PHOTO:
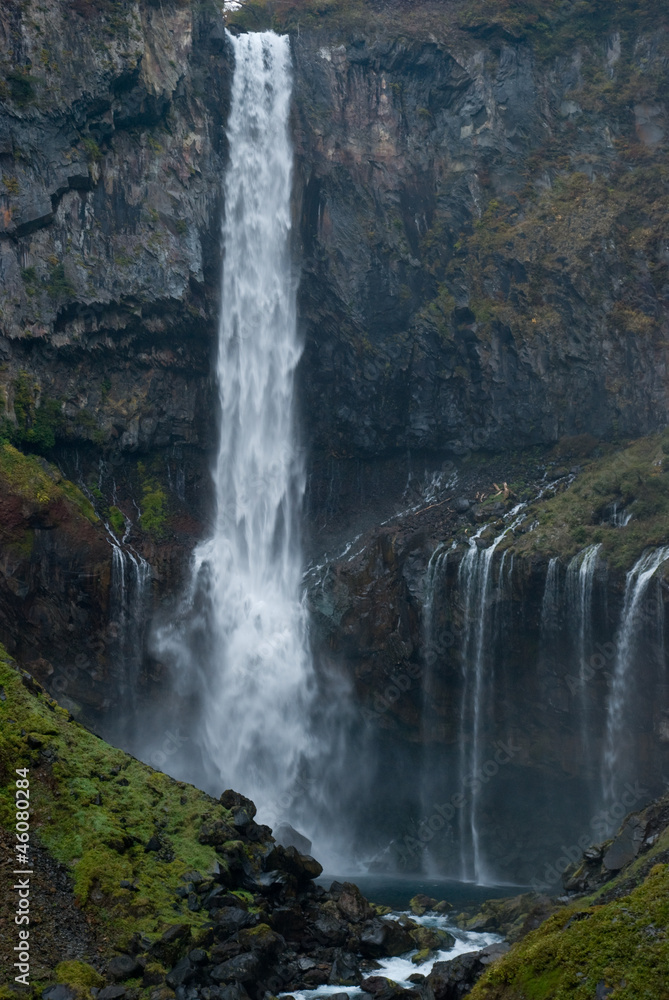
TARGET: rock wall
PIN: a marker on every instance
(483, 261)
(479, 223)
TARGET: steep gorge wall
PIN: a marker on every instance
(480, 231)
(112, 148)
(484, 265)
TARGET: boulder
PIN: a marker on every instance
(216, 832)
(115, 992)
(626, 845)
(381, 988)
(242, 969)
(242, 809)
(454, 980)
(287, 836)
(288, 859)
(262, 940)
(230, 920)
(345, 969)
(288, 921)
(123, 967)
(181, 974)
(432, 939)
(352, 904)
(59, 992)
(421, 903)
(384, 939)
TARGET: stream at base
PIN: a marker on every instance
(396, 892)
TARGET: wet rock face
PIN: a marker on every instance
(112, 149)
(460, 256)
(109, 235)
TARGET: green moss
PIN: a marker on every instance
(58, 286)
(623, 944)
(37, 481)
(631, 477)
(38, 424)
(153, 519)
(95, 808)
(92, 150)
(78, 974)
(117, 521)
(21, 86)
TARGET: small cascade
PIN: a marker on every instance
(436, 570)
(620, 518)
(550, 605)
(129, 613)
(619, 757)
(475, 584)
(578, 592)
(431, 655)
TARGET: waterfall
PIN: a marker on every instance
(129, 610)
(579, 588)
(618, 757)
(474, 579)
(239, 646)
(550, 604)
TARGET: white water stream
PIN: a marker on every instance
(244, 643)
(634, 620)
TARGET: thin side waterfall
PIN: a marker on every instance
(634, 619)
(129, 611)
(550, 605)
(474, 579)
(579, 589)
(436, 568)
(239, 651)
(432, 654)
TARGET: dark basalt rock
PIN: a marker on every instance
(381, 938)
(453, 980)
(123, 967)
(242, 969)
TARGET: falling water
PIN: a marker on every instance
(550, 605)
(579, 589)
(129, 609)
(634, 616)
(241, 639)
(474, 579)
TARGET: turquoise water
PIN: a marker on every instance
(397, 890)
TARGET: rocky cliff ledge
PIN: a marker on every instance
(479, 205)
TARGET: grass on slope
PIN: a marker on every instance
(636, 478)
(95, 809)
(584, 950)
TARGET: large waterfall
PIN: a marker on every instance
(239, 646)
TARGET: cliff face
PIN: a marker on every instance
(479, 225)
(483, 259)
(112, 147)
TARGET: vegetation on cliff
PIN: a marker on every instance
(548, 24)
(619, 499)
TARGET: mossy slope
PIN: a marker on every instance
(95, 809)
(585, 950)
(33, 479)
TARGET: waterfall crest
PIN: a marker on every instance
(239, 646)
